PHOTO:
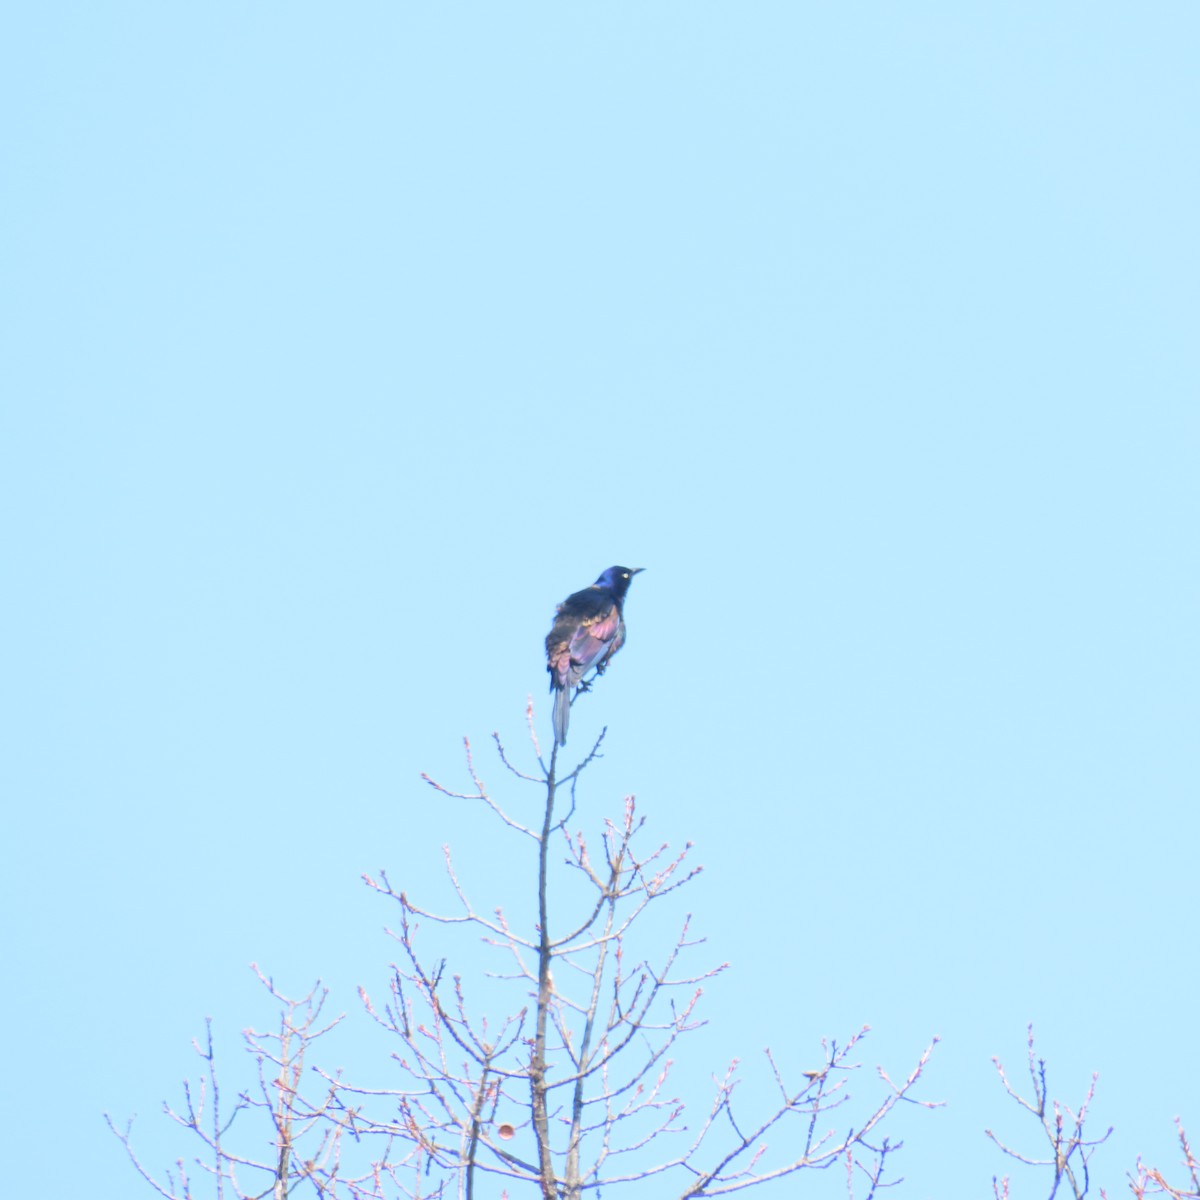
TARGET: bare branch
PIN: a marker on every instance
(1070, 1150)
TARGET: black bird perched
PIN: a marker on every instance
(588, 630)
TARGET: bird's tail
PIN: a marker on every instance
(562, 713)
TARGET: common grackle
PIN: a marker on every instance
(588, 630)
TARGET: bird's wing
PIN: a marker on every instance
(598, 630)
(588, 629)
(593, 638)
(558, 659)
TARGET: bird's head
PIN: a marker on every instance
(617, 579)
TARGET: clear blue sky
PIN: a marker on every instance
(341, 342)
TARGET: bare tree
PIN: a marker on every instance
(571, 1089)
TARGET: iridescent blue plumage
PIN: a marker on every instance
(588, 630)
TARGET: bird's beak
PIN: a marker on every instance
(636, 570)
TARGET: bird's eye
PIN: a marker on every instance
(624, 574)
